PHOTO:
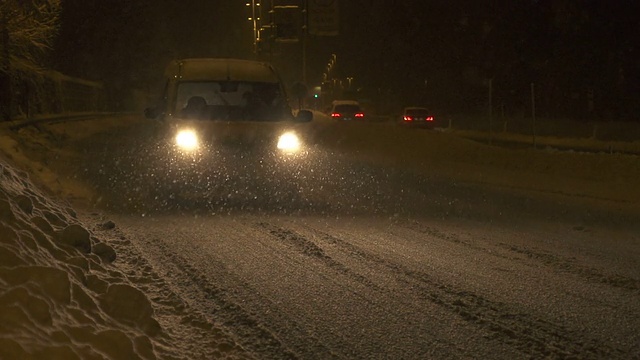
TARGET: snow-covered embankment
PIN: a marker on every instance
(60, 296)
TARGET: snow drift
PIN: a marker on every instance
(65, 294)
(61, 298)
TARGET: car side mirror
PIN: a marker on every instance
(304, 116)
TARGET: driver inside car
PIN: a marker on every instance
(195, 109)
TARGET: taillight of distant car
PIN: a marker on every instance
(429, 118)
(359, 115)
(408, 118)
(335, 115)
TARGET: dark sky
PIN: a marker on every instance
(568, 47)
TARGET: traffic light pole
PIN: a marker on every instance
(255, 28)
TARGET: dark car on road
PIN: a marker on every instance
(347, 110)
(418, 117)
(230, 101)
(223, 124)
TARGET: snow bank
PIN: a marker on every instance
(432, 153)
(60, 296)
(69, 290)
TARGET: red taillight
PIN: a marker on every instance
(359, 115)
(429, 118)
(335, 115)
(408, 118)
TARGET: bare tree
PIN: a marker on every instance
(27, 29)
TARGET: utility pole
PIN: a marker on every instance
(304, 41)
(490, 111)
(533, 114)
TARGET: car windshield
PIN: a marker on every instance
(417, 112)
(229, 100)
(347, 108)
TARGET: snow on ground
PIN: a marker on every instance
(598, 175)
(65, 293)
(72, 286)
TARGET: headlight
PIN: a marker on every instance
(187, 140)
(289, 142)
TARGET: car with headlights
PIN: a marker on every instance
(417, 117)
(225, 133)
(214, 103)
(346, 110)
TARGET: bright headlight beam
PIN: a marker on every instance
(187, 140)
(289, 142)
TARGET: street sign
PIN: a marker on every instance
(323, 17)
(288, 23)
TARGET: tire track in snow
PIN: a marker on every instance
(197, 336)
(532, 336)
(571, 267)
(219, 306)
(559, 263)
(434, 232)
(304, 245)
(310, 248)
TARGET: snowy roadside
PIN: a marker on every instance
(597, 175)
(72, 286)
(553, 143)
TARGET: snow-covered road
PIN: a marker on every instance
(369, 287)
(378, 243)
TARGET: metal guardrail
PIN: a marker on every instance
(61, 118)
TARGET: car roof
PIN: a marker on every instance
(345, 102)
(415, 108)
(217, 69)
